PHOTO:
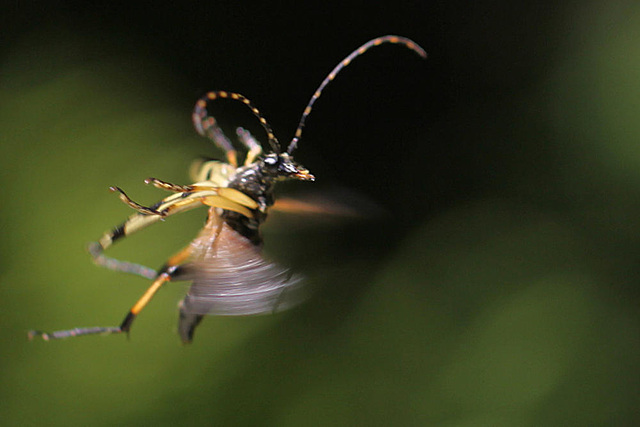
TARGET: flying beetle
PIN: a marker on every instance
(224, 263)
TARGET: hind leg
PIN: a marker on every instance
(125, 326)
(187, 321)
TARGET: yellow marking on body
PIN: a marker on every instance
(235, 96)
(223, 94)
(394, 39)
(331, 76)
(211, 95)
(238, 197)
(317, 94)
(307, 110)
(201, 103)
(346, 62)
(362, 50)
(226, 204)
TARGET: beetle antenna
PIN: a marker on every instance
(346, 61)
(202, 121)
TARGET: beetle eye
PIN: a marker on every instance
(271, 161)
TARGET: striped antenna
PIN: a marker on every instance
(346, 61)
(203, 122)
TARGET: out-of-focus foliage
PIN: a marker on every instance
(500, 289)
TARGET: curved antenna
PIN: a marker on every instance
(203, 122)
(346, 61)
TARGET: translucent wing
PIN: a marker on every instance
(230, 277)
(325, 206)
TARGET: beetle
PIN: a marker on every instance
(224, 263)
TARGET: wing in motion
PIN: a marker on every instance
(230, 277)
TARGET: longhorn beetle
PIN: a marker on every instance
(224, 263)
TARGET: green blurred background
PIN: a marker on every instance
(500, 287)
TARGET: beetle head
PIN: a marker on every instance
(282, 166)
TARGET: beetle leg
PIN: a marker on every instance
(255, 149)
(95, 249)
(187, 321)
(162, 278)
(166, 274)
(224, 198)
(207, 126)
(228, 193)
(125, 326)
(171, 205)
(142, 209)
(163, 185)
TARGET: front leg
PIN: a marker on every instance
(167, 207)
(136, 206)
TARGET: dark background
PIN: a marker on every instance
(492, 278)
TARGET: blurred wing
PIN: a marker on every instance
(329, 205)
(314, 207)
(231, 278)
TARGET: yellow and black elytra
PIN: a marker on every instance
(224, 262)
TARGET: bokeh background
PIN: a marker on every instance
(496, 284)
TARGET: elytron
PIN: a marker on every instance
(224, 263)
